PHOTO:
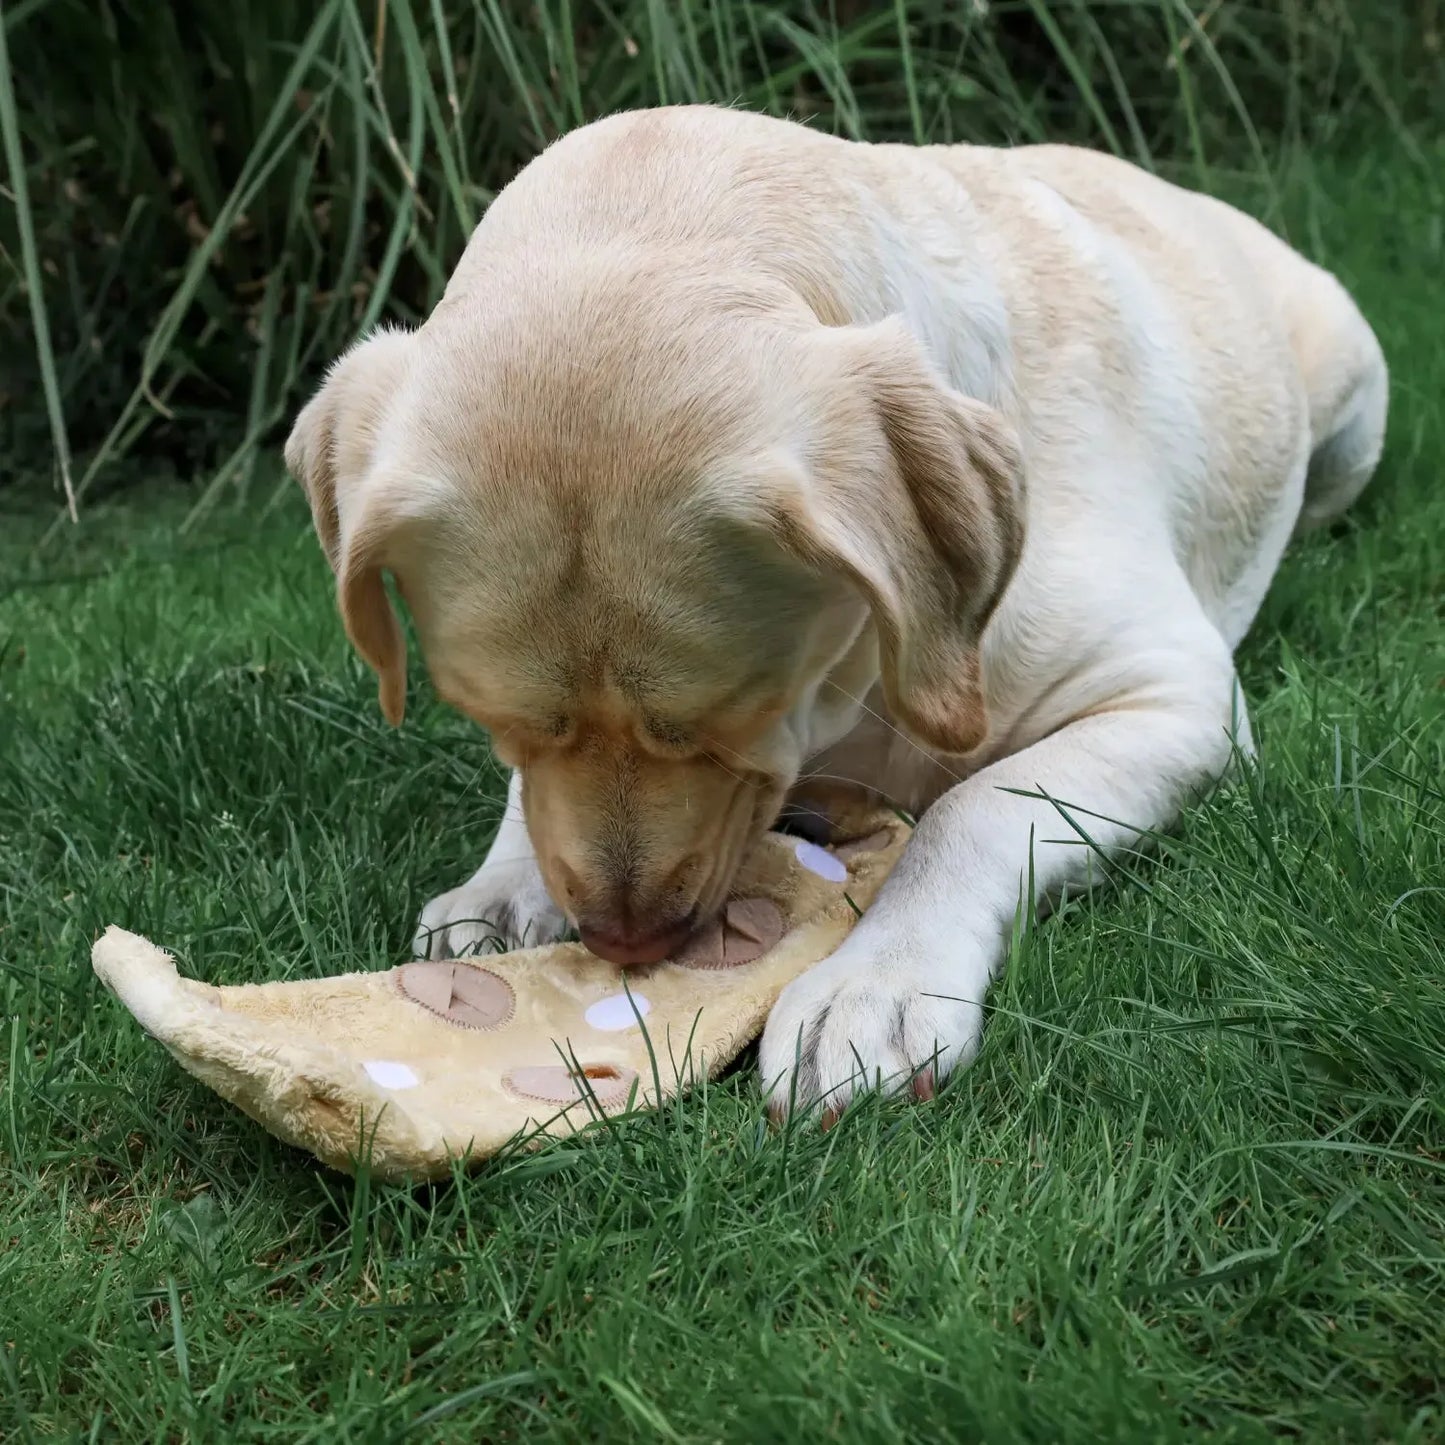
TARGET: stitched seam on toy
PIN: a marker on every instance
(616, 1095)
(400, 986)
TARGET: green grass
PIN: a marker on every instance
(1195, 1181)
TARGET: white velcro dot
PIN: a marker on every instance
(390, 1074)
(617, 1011)
(820, 861)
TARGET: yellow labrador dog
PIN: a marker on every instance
(738, 456)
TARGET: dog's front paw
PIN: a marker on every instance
(501, 904)
(890, 1013)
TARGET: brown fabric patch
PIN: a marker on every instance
(461, 993)
(855, 847)
(555, 1084)
(748, 928)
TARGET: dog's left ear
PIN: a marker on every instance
(915, 493)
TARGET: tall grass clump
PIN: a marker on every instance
(205, 202)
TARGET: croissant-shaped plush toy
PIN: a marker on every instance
(419, 1066)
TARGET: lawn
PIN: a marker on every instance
(1196, 1179)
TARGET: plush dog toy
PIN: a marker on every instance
(420, 1065)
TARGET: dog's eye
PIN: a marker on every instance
(666, 734)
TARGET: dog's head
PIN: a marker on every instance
(661, 537)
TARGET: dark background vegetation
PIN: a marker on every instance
(222, 195)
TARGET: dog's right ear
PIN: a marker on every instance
(330, 452)
(330, 447)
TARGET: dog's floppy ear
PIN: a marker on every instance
(330, 452)
(915, 493)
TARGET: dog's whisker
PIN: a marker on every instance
(893, 727)
(818, 776)
(738, 776)
(797, 809)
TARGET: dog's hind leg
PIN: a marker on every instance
(1349, 391)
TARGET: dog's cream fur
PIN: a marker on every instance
(738, 459)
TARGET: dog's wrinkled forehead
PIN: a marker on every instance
(594, 461)
(667, 614)
(582, 359)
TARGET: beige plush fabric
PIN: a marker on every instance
(417, 1066)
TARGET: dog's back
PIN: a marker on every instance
(1336, 353)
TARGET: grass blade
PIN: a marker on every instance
(34, 276)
